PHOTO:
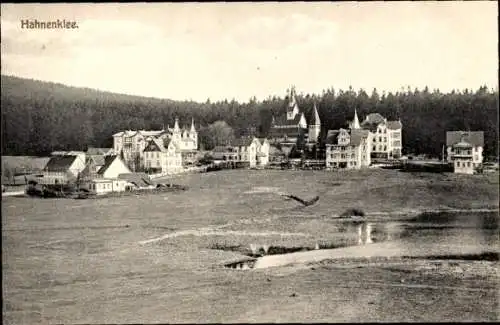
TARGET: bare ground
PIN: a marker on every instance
(75, 261)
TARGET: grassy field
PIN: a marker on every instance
(86, 261)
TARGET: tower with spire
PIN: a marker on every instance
(314, 126)
(293, 107)
(193, 134)
(355, 122)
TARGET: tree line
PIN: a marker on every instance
(40, 117)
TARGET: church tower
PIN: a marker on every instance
(314, 126)
(293, 107)
(193, 134)
(355, 122)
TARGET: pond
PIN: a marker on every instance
(428, 235)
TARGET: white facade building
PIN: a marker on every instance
(131, 144)
(348, 149)
(465, 150)
(386, 136)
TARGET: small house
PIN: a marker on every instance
(101, 186)
(465, 150)
(62, 169)
(113, 166)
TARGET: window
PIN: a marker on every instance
(374, 148)
(157, 155)
(157, 163)
(385, 148)
(385, 139)
(468, 164)
(379, 139)
(353, 156)
(457, 164)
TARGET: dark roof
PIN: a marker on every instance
(156, 145)
(475, 138)
(358, 135)
(60, 163)
(332, 136)
(372, 127)
(315, 116)
(290, 131)
(138, 179)
(394, 125)
(108, 160)
(282, 120)
(97, 151)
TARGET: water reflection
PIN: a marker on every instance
(451, 230)
(370, 232)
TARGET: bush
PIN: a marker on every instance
(353, 213)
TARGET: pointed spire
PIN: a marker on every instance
(355, 122)
(316, 120)
(176, 125)
(192, 126)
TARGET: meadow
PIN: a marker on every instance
(151, 258)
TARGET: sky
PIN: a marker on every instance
(238, 50)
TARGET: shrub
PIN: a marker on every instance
(353, 212)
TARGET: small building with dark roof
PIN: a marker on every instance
(62, 169)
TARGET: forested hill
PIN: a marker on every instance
(39, 117)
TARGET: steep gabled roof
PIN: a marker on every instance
(476, 138)
(156, 145)
(60, 163)
(332, 136)
(108, 160)
(315, 117)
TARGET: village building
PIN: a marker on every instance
(103, 186)
(287, 130)
(225, 153)
(131, 144)
(465, 150)
(386, 139)
(251, 150)
(163, 156)
(62, 168)
(348, 149)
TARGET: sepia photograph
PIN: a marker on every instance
(250, 162)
